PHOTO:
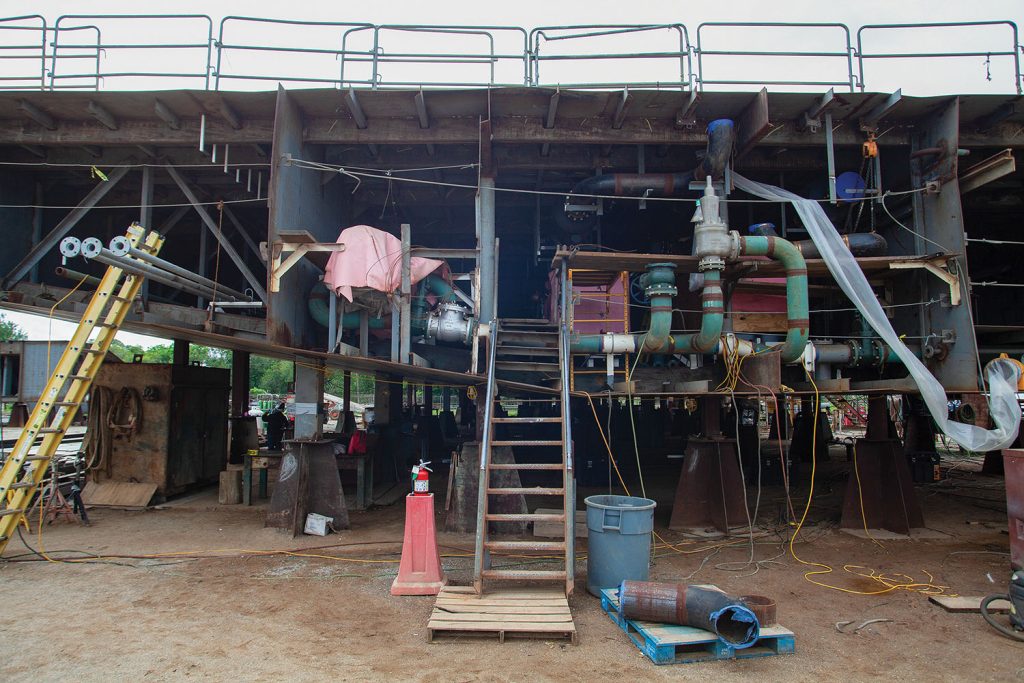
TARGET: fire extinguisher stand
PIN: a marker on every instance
(420, 571)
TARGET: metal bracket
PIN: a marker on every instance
(279, 266)
(937, 266)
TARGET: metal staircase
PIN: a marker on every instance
(68, 386)
(518, 339)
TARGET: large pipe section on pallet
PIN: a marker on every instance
(705, 608)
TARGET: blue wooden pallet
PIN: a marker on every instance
(671, 644)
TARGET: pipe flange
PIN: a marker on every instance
(120, 245)
(91, 247)
(70, 247)
(660, 289)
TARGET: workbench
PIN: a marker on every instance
(261, 462)
(363, 466)
(264, 461)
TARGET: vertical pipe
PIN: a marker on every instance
(405, 322)
(830, 152)
(364, 333)
(395, 351)
(332, 320)
(239, 383)
(346, 392)
(146, 214)
(200, 303)
(37, 228)
(309, 396)
(485, 243)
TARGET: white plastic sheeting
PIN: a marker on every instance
(1002, 376)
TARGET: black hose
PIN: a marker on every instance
(1002, 628)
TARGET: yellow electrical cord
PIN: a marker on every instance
(622, 482)
(890, 583)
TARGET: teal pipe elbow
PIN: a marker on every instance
(438, 287)
(320, 312)
(797, 307)
(712, 305)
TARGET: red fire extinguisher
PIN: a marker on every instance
(421, 479)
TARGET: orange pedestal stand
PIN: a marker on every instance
(420, 571)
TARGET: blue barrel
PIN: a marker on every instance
(618, 540)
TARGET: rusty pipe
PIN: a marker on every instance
(705, 608)
(90, 280)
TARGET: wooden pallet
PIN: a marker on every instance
(527, 613)
(671, 644)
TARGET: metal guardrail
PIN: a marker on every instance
(95, 51)
(27, 48)
(1015, 47)
(73, 53)
(846, 54)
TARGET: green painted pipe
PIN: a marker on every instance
(438, 287)
(797, 309)
(712, 305)
(320, 312)
(659, 283)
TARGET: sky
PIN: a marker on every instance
(916, 77)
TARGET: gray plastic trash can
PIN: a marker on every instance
(619, 540)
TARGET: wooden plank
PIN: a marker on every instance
(503, 609)
(296, 237)
(759, 322)
(967, 603)
(502, 603)
(505, 618)
(118, 494)
(502, 626)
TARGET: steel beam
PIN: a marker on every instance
(870, 120)
(168, 116)
(421, 109)
(620, 109)
(229, 114)
(549, 120)
(38, 115)
(229, 248)
(98, 192)
(98, 112)
(993, 168)
(753, 123)
(356, 109)
(241, 231)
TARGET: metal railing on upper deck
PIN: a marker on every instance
(97, 51)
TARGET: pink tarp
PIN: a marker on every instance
(372, 258)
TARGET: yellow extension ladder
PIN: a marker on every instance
(68, 386)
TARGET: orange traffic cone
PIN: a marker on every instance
(420, 570)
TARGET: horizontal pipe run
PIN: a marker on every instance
(77, 277)
(129, 265)
(163, 264)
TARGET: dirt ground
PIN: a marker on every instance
(275, 617)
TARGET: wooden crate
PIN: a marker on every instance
(525, 613)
